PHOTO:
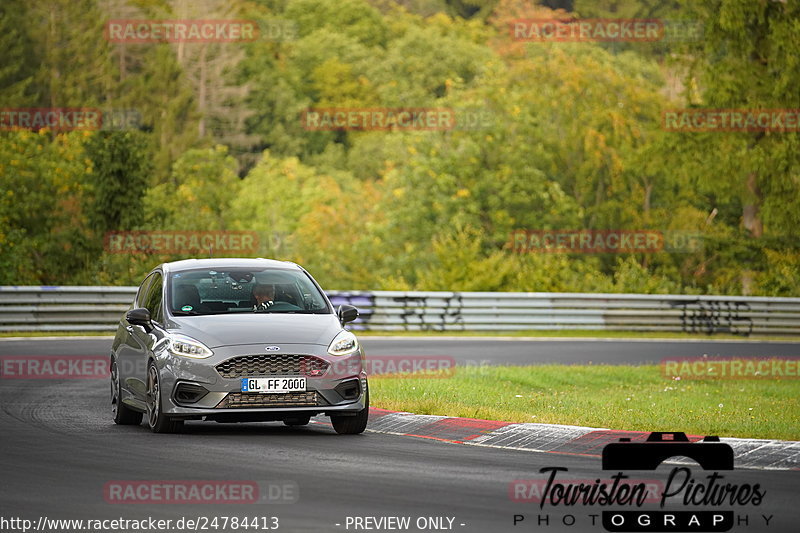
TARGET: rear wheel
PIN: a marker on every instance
(123, 415)
(352, 425)
(156, 419)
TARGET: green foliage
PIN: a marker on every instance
(76, 67)
(353, 18)
(547, 136)
(43, 234)
(17, 69)
(422, 63)
(117, 181)
(159, 91)
(459, 264)
(199, 193)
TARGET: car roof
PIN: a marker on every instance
(226, 263)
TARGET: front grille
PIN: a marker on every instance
(253, 366)
(290, 399)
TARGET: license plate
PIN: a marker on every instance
(274, 385)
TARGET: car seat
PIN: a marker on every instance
(186, 295)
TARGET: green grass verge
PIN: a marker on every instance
(615, 397)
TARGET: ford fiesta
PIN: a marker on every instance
(236, 340)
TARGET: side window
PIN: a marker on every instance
(141, 294)
(152, 300)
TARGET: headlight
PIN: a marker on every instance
(344, 343)
(188, 347)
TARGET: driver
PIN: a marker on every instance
(264, 295)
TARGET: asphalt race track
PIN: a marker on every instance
(60, 449)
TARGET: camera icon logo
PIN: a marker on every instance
(709, 453)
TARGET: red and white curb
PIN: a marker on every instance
(757, 454)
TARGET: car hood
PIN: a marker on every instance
(233, 329)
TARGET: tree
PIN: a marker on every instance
(44, 237)
(118, 180)
(312, 217)
(76, 68)
(748, 59)
(202, 186)
(17, 72)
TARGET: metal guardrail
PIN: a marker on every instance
(33, 308)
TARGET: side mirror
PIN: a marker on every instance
(347, 313)
(140, 317)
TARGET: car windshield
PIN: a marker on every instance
(269, 290)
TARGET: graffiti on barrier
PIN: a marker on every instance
(427, 314)
(715, 317)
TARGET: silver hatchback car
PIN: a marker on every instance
(236, 340)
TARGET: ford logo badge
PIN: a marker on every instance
(272, 348)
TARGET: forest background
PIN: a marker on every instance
(570, 136)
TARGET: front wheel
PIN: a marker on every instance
(352, 425)
(156, 419)
(123, 415)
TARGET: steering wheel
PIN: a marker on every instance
(283, 307)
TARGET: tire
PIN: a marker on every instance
(352, 425)
(123, 415)
(157, 421)
(297, 421)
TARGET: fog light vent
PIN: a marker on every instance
(188, 393)
(349, 390)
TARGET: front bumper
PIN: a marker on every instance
(196, 389)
